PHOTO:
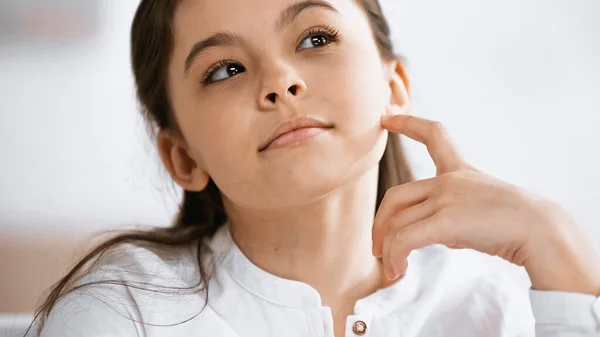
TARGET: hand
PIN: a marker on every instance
(464, 208)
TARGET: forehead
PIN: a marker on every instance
(252, 20)
(209, 16)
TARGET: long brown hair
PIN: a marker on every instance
(202, 213)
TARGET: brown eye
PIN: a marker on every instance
(319, 37)
(222, 71)
(314, 41)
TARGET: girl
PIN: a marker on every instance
(280, 120)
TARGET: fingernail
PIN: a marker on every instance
(399, 266)
(395, 267)
(389, 272)
(385, 117)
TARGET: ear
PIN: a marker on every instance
(184, 170)
(398, 82)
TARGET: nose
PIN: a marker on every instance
(280, 86)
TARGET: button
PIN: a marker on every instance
(359, 328)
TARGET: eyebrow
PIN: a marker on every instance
(287, 17)
(294, 10)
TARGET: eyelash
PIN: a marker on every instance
(210, 72)
(332, 35)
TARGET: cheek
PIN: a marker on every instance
(356, 90)
(218, 136)
(360, 97)
(225, 154)
(219, 130)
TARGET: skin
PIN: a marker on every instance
(325, 224)
(464, 208)
(303, 209)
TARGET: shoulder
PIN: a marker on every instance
(127, 288)
(160, 265)
(465, 267)
(471, 286)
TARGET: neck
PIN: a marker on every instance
(326, 244)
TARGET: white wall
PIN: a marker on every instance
(74, 153)
(516, 82)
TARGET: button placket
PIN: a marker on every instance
(596, 309)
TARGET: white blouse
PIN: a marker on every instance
(438, 296)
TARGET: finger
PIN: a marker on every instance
(401, 219)
(430, 133)
(405, 218)
(423, 233)
(395, 200)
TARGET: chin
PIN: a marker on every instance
(312, 172)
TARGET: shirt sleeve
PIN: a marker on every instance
(563, 314)
(100, 311)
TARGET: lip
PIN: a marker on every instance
(298, 129)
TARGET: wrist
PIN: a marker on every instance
(562, 259)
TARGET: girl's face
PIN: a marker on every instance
(240, 69)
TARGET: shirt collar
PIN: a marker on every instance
(290, 293)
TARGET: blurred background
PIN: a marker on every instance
(517, 83)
